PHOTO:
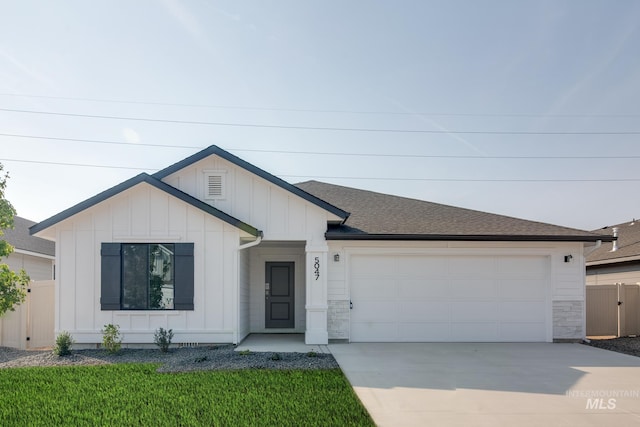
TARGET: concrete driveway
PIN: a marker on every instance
(493, 384)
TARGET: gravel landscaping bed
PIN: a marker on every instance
(626, 345)
(185, 359)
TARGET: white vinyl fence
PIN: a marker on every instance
(31, 325)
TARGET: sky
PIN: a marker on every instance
(529, 109)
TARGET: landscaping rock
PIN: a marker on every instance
(205, 358)
(626, 345)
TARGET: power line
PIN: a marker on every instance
(325, 153)
(78, 164)
(319, 128)
(99, 141)
(373, 178)
(370, 178)
(324, 111)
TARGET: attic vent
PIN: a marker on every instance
(214, 185)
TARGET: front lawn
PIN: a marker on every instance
(135, 394)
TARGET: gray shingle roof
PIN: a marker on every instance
(20, 238)
(383, 216)
(628, 243)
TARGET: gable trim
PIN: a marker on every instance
(254, 170)
(148, 179)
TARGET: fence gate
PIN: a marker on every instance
(613, 310)
(31, 325)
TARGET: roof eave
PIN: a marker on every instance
(459, 237)
(613, 261)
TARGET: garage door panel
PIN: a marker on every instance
(372, 266)
(480, 311)
(455, 298)
(521, 289)
(473, 289)
(378, 311)
(375, 332)
(419, 266)
(523, 332)
(522, 267)
(474, 331)
(424, 311)
(472, 266)
(524, 311)
(427, 331)
(423, 288)
(372, 288)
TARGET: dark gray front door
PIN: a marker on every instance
(278, 293)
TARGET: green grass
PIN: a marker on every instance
(135, 394)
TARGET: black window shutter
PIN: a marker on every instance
(183, 290)
(110, 276)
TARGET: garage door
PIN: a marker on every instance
(417, 298)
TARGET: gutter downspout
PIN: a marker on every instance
(241, 248)
(254, 243)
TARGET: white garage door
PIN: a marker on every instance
(417, 298)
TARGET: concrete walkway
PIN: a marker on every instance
(493, 384)
(281, 343)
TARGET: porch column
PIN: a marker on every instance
(316, 290)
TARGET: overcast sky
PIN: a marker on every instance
(452, 93)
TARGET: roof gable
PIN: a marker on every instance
(215, 150)
(148, 179)
(377, 216)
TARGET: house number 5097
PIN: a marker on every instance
(316, 267)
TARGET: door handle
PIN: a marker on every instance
(350, 305)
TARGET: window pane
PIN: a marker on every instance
(161, 276)
(134, 277)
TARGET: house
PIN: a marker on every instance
(33, 254)
(617, 261)
(215, 249)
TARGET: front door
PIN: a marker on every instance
(278, 291)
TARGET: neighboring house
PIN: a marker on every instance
(617, 261)
(216, 248)
(33, 254)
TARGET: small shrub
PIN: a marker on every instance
(245, 352)
(276, 356)
(64, 342)
(111, 338)
(162, 338)
(312, 354)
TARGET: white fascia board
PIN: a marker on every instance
(614, 260)
(35, 254)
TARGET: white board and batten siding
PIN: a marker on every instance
(144, 214)
(280, 214)
(453, 291)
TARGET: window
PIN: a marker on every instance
(147, 276)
